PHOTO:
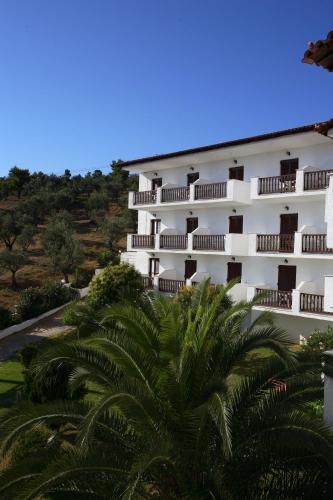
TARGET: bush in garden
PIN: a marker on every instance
(5, 317)
(54, 386)
(34, 301)
(115, 284)
(320, 341)
(107, 257)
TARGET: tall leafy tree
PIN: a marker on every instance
(11, 226)
(62, 247)
(175, 418)
(17, 179)
(12, 261)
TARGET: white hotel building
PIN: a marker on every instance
(259, 208)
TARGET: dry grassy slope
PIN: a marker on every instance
(38, 269)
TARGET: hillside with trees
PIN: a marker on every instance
(56, 228)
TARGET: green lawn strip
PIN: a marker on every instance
(11, 379)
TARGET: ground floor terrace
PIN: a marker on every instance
(293, 289)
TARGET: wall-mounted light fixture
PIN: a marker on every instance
(286, 207)
(189, 256)
(235, 161)
(233, 259)
(190, 212)
(152, 254)
(234, 211)
(191, 168)
(156, 174)
(288, 153)
(154, 215)
(285, 261)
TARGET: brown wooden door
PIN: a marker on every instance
(191, 224)
(289, 167)
(192, 178)
(156, 183)
(190, 268)
(287, 278)
(236, 173)
(154, 266)
(155, 226)
(288, 223)
(234, 271)
(236, 224)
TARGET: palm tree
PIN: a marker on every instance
(174, 419)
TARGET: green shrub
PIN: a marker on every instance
(106, 257)
(81, 316)
(5, 318)
(34, 301)
(49, 388)
(320, 341)
(114, 284)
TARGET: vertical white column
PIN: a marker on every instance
(299, 181)
(129, 242)
(329, 212)
(190, 242)
(131, 199)
(192, 189)
(254, 187)
(157, 241)
(158, 196)
(298, 244)
(328, 294)
(296, 300)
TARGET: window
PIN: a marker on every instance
(155, 226)
(154, 267)
(236, 224)
(192, 178)
(288, 167)
(236, 173)
(234, 271)
(191, 224)
(156, 183)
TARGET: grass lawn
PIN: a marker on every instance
(11, 379)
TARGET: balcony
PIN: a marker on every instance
(317, 180)
(143, 241)
(173, 241)
(210, 191)
(170, 285)
(275, 243)
(144, 197)
(275, 298)
(312, 303)
(277, 185)
(315, 243)
(214, 242)
(148, 282)
(201, 193)
(175, 195)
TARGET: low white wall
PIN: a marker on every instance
(29, 322)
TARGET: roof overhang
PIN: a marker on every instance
(285, 140)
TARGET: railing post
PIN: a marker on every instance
(157, 241)
(131, 199)
(298, 243)
(192, 189)
(129, 242)
(299, 181)
(190, 242)
(254, 187)
(155, 282)
(158, 196)
(296, 298)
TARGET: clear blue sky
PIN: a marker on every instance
(87, 81)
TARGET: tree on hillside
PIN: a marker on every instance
(63, 249)
(26, 237)
(11, 225)
(179, 414)
(113, 230)
(17, 178)
(97, 206)
(12, 261)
